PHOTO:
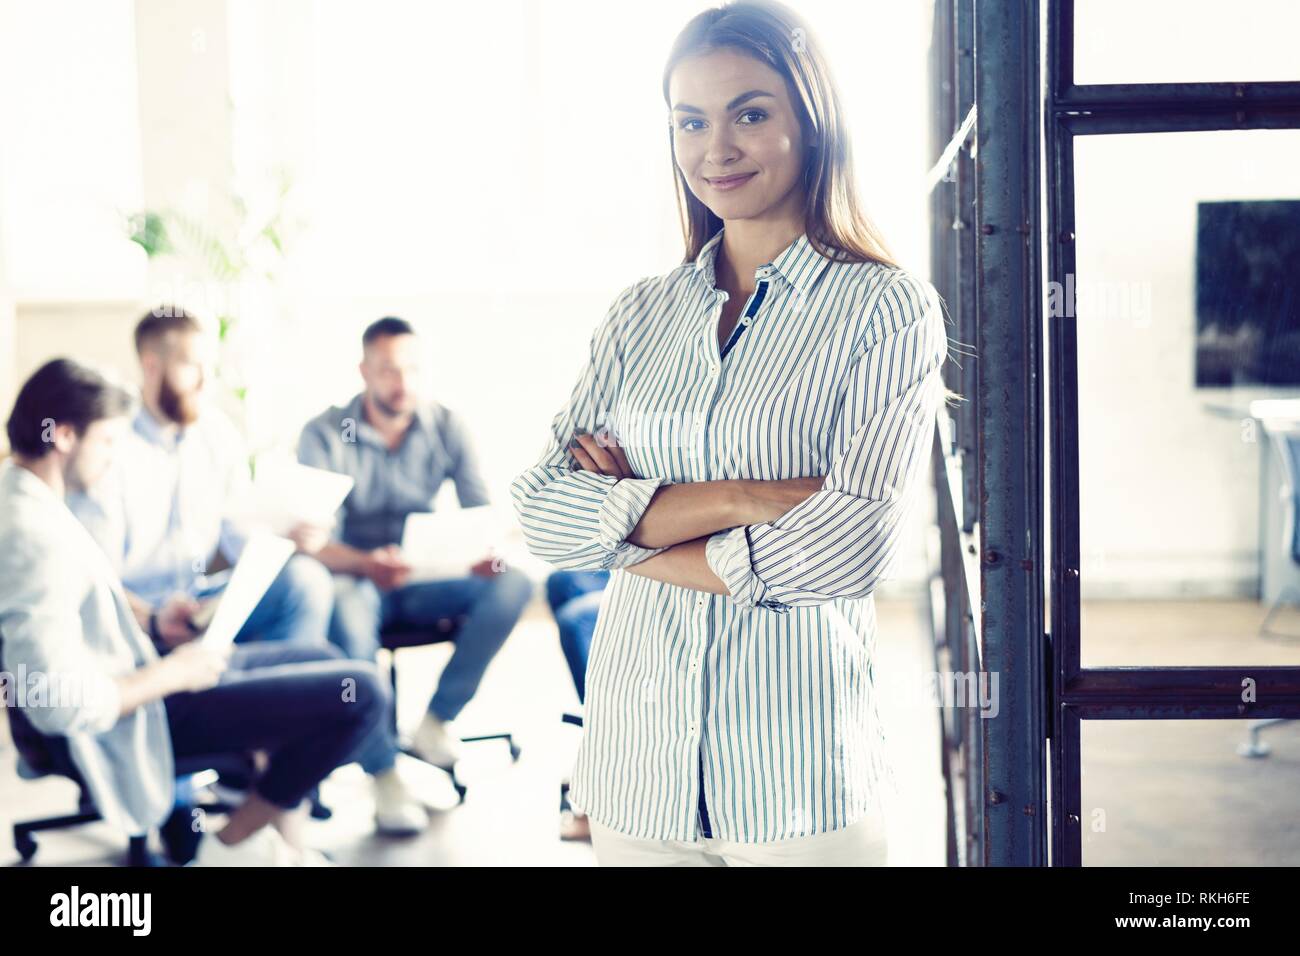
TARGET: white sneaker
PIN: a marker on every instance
(435, 743)
(397, 811)
(266, 847)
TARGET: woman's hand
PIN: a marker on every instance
(601, 453)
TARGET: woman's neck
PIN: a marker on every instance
(748, 244)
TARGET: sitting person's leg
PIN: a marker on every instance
(576, 620)
(491, 605)
(296, 607)
(358, 615)
(563, 586)
(308, 707)
(354, 629)
(574, 597)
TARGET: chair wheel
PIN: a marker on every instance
(180, 838)
(514, 752)
(25, 844)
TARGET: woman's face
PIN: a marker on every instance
(736, 137)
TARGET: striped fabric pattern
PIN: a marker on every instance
(765, 694)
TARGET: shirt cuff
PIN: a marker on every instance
(622, 508)
(728, 555)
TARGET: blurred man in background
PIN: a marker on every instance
(163, 513)
(399, 450)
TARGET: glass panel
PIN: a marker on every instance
(1179, 793)
(1185, 41)
(1187, 311)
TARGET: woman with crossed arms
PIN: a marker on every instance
(742, 445)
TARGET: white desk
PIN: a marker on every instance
(1277, 418)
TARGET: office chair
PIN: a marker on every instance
(38, 758)
(444, 630)
(1286, 445)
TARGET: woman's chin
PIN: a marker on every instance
(730, 211)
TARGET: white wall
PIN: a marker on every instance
(1169, 495)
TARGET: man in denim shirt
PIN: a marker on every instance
(399, 450)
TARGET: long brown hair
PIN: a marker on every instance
(775, 35)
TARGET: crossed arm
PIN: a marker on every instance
(681, 517)
(774, 544)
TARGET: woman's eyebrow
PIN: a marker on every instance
(742, 98)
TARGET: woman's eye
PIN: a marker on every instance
(686, 124)
(759, 113)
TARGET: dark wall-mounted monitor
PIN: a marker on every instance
(1247, 306)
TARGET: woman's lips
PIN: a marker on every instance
(731, 182)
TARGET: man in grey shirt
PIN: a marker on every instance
(399, 450)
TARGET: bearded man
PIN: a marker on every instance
(163, 513)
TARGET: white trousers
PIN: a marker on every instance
(861, 844)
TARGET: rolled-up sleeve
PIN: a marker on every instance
(57, 678)
(576, 519)
(842, 541)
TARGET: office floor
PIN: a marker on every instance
(511, 814)
(1177, 793)
(1155, 793)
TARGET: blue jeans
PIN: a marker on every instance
(296, 607)
(491, 605)
(575, 598)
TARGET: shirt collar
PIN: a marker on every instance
(800, 264)
(356, 410)
(154, 431)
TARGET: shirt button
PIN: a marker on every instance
(691, 728)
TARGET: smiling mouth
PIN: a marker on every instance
(729, 180)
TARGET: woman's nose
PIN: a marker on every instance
(721, 148)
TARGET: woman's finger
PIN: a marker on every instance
(604, 463)
(606, 439)
(584, 460)
(625, 467)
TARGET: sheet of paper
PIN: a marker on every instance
(445, 544)
(285, 493)
(258, 565)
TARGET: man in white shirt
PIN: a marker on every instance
(88, 691)
(163, 513)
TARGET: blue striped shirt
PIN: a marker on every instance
(758, 706)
